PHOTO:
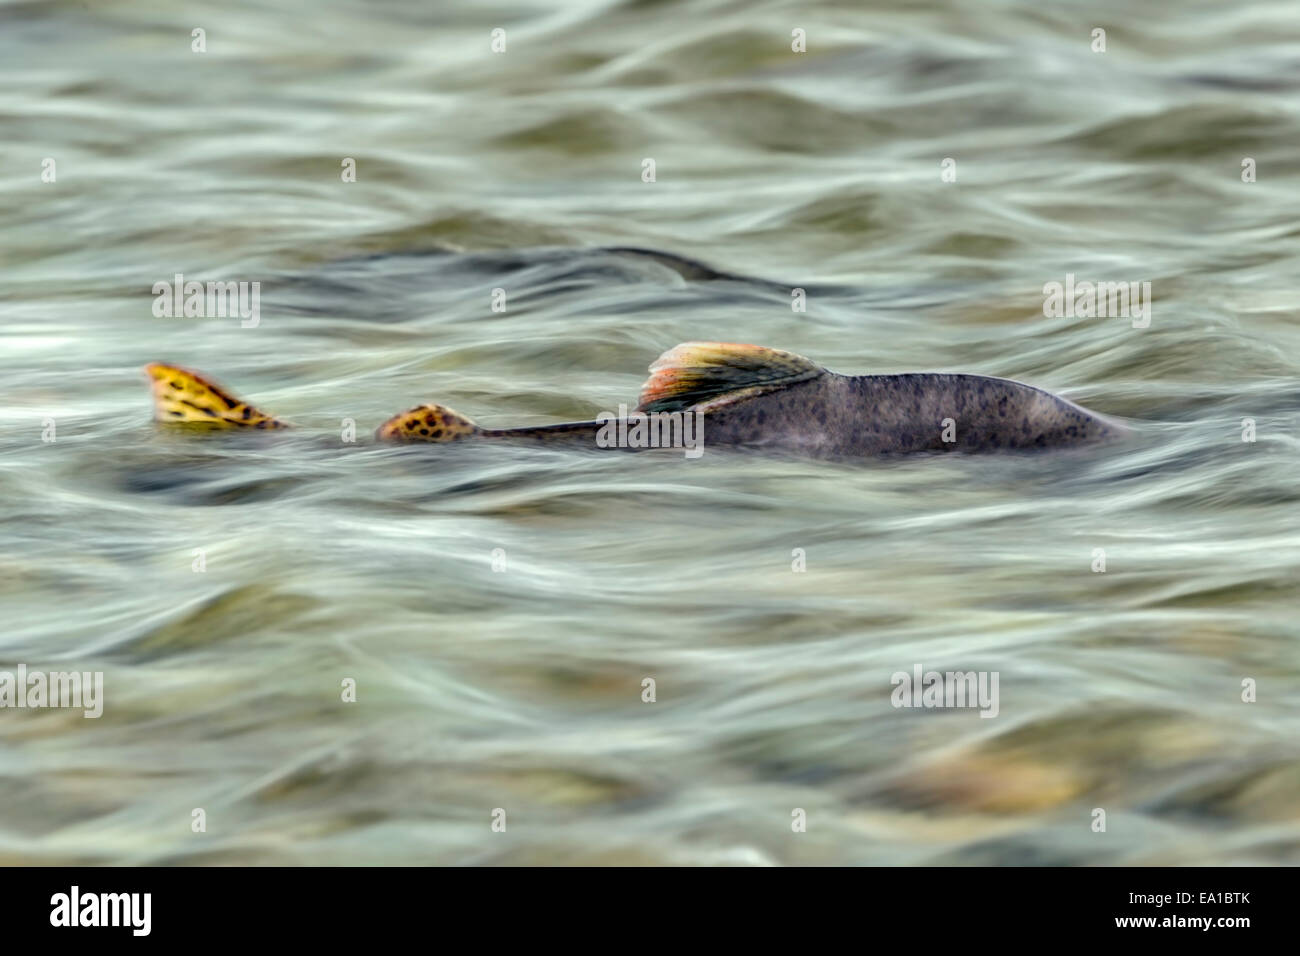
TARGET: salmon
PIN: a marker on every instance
(735, 395)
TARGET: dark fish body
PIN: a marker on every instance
(846, 416)
(860, 415)
(719, 394)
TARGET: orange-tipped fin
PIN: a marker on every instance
(181, 396)
(696, 372)
(428, 423)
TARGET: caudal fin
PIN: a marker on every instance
(696, 372)
(182, 396)
(430, 423)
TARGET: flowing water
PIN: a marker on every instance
(500, 609)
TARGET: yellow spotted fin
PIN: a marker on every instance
(184, 397)
(428, 423)
(697, 372)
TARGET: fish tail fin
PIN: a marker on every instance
(428, 423)
(183, 396)
(696, 372)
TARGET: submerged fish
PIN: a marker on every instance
(739, 395)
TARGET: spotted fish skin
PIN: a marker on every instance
(428, 423)
(185, 397)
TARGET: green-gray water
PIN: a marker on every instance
(521, 688)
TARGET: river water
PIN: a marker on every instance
(500, 611)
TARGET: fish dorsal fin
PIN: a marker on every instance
(182, 396)
(432, 423)
(696, 372)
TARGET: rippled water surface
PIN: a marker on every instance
(522, 688)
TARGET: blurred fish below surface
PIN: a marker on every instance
(347, 651)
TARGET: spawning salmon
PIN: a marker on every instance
(739, 396)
